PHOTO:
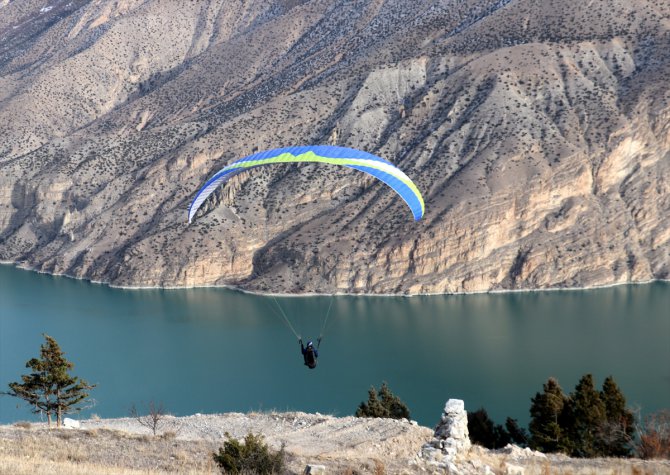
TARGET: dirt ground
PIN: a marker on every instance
(343, 445)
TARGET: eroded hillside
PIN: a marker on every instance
(538, 133)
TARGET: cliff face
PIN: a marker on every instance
(538, 133)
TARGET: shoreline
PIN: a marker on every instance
(315, 294)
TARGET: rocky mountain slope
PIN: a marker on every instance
(537, 131)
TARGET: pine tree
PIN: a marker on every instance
(483, 431)
(50, 388)
(585, 417)
(396, 408)
(373, 408)
(383, 403)
(546, 412)
(618, 431)
(517, 434)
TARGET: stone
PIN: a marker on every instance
(517, 453)
(450, 439)
(513, 469)
(430, 453)
(453, 427)
(315, 470)
(454, 406)
(71, 423)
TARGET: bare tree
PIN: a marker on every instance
(154, 420)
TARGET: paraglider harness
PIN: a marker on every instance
(310, 354)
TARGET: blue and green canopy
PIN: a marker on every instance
(347, 157)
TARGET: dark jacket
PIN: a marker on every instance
(310, 354)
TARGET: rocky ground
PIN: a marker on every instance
(341, 445)
(537, 132)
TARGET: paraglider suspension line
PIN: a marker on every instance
(325, 320)
(288, 323)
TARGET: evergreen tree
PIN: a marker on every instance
(518, 435)
(618, 431)
(50, 388)
(483, 431)
(373, 408)
(545, 418)
(501, 435)
(396, 408)
(383, 403)
(585, 416)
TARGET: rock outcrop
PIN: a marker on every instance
(538, 133)
(450, 449)
(451, 442)
(340, 445)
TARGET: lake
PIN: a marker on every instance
(217, 350)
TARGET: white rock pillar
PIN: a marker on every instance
(451, 439)
(452, 429)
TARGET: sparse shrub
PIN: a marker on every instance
(250, 456)
(67, 434)
(383, 403)
(654, 441)
(379, 468)
(169, 435)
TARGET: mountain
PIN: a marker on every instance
(537, 130)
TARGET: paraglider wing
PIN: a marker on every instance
(348, 157)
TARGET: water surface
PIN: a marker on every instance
(217, 350)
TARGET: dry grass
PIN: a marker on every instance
(25, 466)
(103, 451)
(555, 464)
(32, 450)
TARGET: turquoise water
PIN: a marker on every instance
(216, 350)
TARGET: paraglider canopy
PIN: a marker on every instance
(348, 157)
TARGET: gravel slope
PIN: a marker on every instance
(344, 445)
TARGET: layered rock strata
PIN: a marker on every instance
(538, 133)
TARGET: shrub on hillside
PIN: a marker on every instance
(250, 456)
(654, 441)
(383, 403)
